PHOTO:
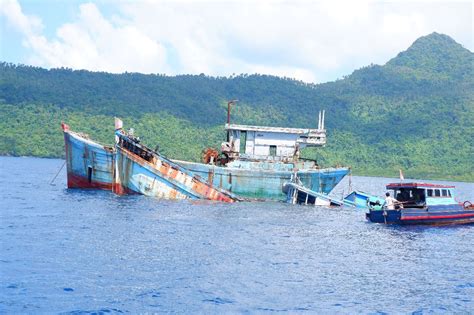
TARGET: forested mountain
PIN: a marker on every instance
(415, 112)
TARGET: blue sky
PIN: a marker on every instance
(313, 41)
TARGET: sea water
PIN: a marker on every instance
(79, 251)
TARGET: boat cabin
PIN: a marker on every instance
(419, 195)
(272, 143)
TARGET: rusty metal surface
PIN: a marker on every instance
(264, 180)
(144, 171)
(131, 167)
(209, 155)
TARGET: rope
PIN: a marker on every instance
(51, 183)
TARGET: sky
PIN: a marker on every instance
(312, 41)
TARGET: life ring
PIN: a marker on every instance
(467, 204)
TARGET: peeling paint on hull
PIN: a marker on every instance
(254, 181)
(89, 164)
(92, 165)
(161, 178)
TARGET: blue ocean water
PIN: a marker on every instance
(73, 251)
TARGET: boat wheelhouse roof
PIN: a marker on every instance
(416, 185)
(272, 129)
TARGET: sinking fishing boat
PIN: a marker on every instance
(90, 165)
(422, 203)
(138, 169)
(257, 161)
(132, 168)
(299, 194)
(254, 162)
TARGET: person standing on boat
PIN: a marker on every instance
(390, 202)
(296, 155)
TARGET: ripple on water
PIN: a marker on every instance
(91, 252)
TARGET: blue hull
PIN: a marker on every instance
(134, 176)
(141, 170)
(89, 164)
(92, 165)
(265, 180)
(435, 215)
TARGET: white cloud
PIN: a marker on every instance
(28, 25)
(311, 41)
(90, 42)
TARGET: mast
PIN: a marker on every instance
(232, 102)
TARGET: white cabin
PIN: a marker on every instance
(273, 143)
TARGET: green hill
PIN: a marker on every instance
(415, 112)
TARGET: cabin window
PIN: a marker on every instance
(403, 194)
(430, 192)
(419, 195)
(243, 141)
(273, 150)
(449, 193)
(444, 193)
(437, 193)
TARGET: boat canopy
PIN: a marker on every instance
(422, 194)
(416, 185)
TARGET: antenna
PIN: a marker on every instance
(322, 120)
(232, 102)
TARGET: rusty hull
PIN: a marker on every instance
(141, 170)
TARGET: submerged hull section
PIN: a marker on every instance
(434, 215)
(143, 171)
(265, 180)
(359, 199)
(89, 164)
(297, 194)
